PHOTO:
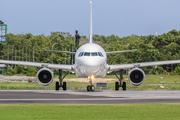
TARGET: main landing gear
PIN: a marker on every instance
(90, 87)
(117, 85)
(59, 84)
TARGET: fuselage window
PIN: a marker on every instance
(80, 54)
(87, 54)
(100, 54)
(94, 54)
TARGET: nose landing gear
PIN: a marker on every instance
(90, 87)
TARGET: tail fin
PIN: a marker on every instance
(90, 36)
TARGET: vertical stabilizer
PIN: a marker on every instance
(90, 36)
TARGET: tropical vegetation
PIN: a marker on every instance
(28, 47)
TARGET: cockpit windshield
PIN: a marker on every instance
(94, 54)
(87, 54)
(90, 54)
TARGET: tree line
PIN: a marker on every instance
(28, 47)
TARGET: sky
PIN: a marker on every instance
(118, 17)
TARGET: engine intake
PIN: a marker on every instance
(44, 77)
(136, 76)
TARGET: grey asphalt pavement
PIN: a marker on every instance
(84, 97)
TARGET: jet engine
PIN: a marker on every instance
(136, 76)
(44, 77)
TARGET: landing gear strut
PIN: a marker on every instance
(90, 87)
(59, 84)
(117, 85)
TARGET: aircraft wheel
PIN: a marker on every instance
(92, 88)
(116, 85)
(88, 88)
(124, 86)
(64, 85)
(57, 86)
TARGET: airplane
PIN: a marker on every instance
(91, 63)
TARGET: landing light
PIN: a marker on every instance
(92, 77)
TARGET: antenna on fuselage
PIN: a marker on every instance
(90, 36)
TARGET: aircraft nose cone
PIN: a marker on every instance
(91, 62)
(92, 70)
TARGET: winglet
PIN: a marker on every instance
(90, 35)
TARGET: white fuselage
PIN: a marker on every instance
(90, 60)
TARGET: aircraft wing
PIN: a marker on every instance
(120, 51)
(61, 51)
(35, 64)
(144, 64)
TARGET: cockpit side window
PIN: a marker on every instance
(100, 54)
(80, 54)
(94, 54)
(87, 54)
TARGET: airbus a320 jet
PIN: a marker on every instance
(91, 63)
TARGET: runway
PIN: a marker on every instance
(84, 97)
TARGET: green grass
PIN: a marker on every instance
(152, 82)
(90, 112)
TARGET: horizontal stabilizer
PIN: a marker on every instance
(61, 51)
(120, 51)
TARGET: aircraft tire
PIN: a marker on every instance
(57, 86)
(116, 85)
(124, 86)
(88, 88)
(64, 85)
(92, 87)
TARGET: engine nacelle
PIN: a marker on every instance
(45, 77)
(136, 76)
